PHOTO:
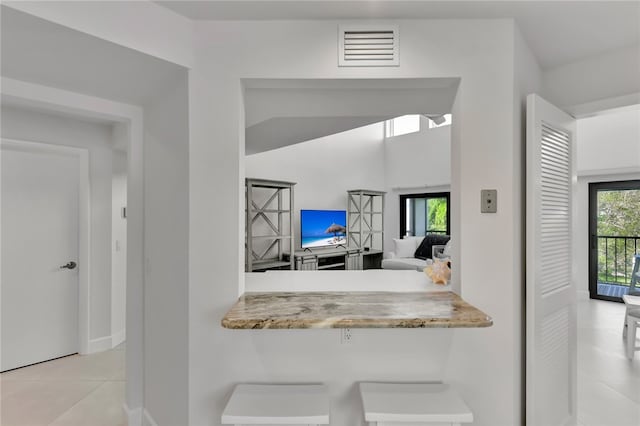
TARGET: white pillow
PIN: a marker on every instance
(404, 248)
(416, 240)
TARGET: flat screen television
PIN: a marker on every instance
(322, 228)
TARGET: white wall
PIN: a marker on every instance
(23, 124)
(415, 163)
(482, 54)
(138, 25)
(419, 159)
(324, 169)
(608, 149)
(612, 74)
(166, 194)
(118, 247)
(610, 141)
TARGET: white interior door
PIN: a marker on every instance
(551, 297)
(40, 196)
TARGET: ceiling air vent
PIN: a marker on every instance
(368, 46)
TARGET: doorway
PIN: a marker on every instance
(614, 232)
(44, 264)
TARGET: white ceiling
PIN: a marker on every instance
(39, 51)
(266, 99)
(42, 52)
(559, 32)
(283, 112)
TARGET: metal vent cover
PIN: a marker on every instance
(368, 45)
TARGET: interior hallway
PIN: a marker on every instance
(72, 391)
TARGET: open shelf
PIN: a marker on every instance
(332, 262)
(269, 209)
(270, 264)
(365, 225)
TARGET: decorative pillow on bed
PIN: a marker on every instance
(425, 248)
(404, 247)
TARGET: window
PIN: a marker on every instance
(402, 125)
(446, 122)
(422, 214)
(411, 124)
(614, 230)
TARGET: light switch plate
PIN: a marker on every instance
(488, 201)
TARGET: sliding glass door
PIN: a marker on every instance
(614, 231)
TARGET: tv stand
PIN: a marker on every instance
(328, 259)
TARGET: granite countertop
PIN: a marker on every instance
(362, 309)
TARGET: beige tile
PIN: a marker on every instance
(608, 383)
(103, 407)
(31, 372)
(9, 387)
(107, 365)
(37, 403)
(599, 405)
(606, 365)
(629, 387)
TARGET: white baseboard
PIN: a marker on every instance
(119, 337)
(147, 420)
(134, 416)
(583, 295)
(100, 344)
(107, 342)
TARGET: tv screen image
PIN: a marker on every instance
(322, 228)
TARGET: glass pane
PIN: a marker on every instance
(618, 239)
(408, 221)
(447, 122)
(406, 124)
(437, 215)
(419, 216)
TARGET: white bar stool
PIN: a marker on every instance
(275, 404)
(413, 404)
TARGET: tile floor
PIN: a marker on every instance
(608, 383)
(89, 390)
(71, 391)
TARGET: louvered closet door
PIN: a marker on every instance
(551, 298)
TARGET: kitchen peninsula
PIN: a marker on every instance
(369, 299)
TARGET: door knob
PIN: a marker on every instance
(70, 265)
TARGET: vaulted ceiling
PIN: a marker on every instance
(42, 52)
(558, 32)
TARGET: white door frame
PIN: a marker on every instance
(132, 117)
(84, 225)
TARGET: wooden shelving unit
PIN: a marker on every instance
(269, 225)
